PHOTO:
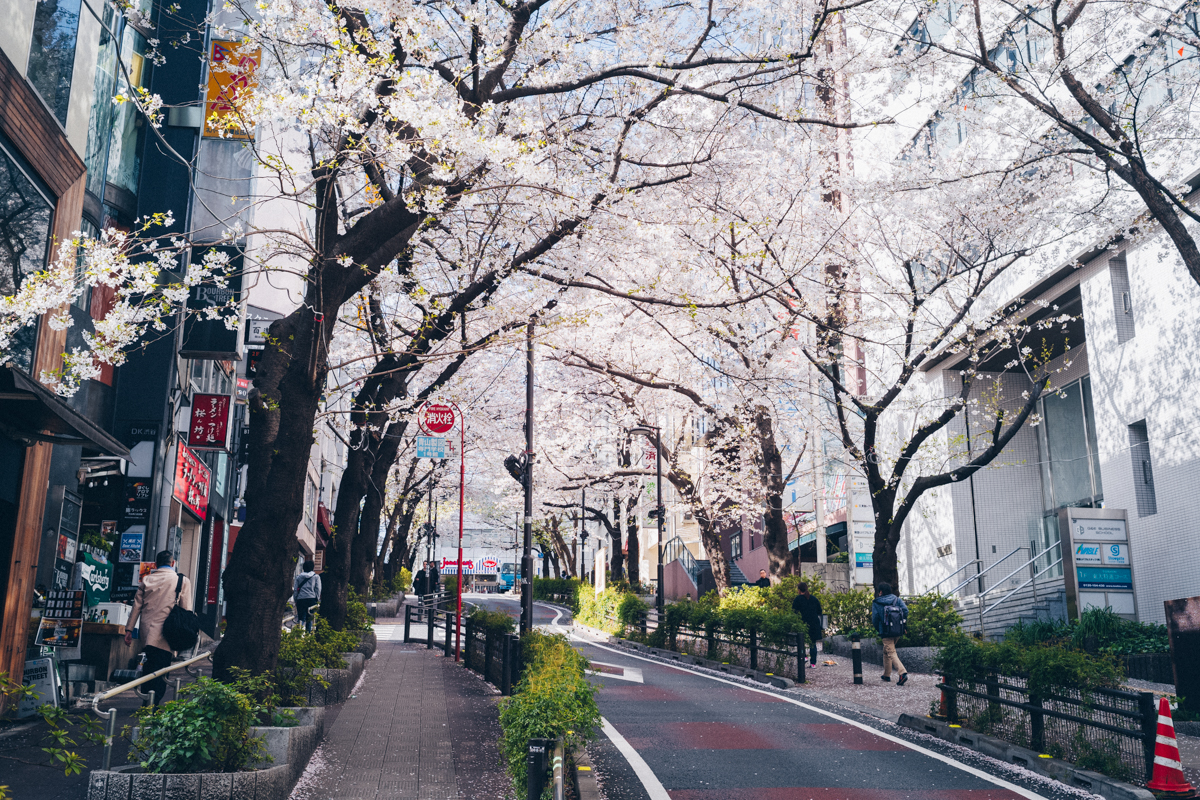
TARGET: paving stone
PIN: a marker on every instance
(97, 785)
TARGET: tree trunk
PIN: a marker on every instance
(365, 549)
(770, 466)
(617, 562)
(634, 556)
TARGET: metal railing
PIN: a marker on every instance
(674, 550)
(970, 563)
(110, 716)
(1109, 729)
(978, 576)
(1032, 579)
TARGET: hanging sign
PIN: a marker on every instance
(232, 78)
(209, 428)
(192, 480)
(431, 447)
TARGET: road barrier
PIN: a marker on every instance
(1108, 730)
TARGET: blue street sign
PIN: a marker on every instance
(431, 447)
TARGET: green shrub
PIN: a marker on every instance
(631, 610)
(599, 609)
(206, 730)
(450, 585)
(1046, 667)
(849, 611)
(559, 590)
(932, 621)
(358, 618)
(553, 700)
(403, 581)
(1098, 628)
(491, 621)
(300, 652)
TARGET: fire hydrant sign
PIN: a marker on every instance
(437, 419)
(209, 429)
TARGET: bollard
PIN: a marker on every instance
(856, 657)
(559, 764)
(407, 624)
(506, 665)
(800, 678)
(754, 648)
(535, 764)
(109, 736)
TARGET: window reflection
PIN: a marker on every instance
(26, 214)
(52, 53)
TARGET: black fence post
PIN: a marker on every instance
(1037, 726)
(800, 678)
(856, 657)
(536, 759)
(467, 647)
(711, 635)
(753, 648)
(951, 699)
(429, 619)
(993, 690)
(407, 623)
(449, 649)
(1149, 709)
(506, 665)
(518, 668)
(642, 621)
(487, 656)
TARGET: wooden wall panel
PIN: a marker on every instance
(25, 120)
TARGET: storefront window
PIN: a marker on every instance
(115, 131)
(52, 53)
(25, 224)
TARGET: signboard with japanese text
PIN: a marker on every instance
(431, 447)
(192, 480)
(232, 77)
(1096, 561)
(212, 325)
(209, 428)
(131, 548)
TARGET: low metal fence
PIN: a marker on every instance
(747, 648)
(1105, 730)
(495, 655)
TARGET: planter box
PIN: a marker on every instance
(1153, 667)
(387, 608)
(368, 643)
(290, 749)
(341, 681)
(915, 659)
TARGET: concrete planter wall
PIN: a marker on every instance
(290, 749)
(341, 681)
(915, 659)
(368, 643)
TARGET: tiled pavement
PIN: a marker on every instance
(418, 727)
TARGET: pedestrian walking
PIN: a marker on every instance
(889, 615)
(763, 581)
(156, 596)
(306, 592)
(809, 609)
(435, 578)
(421, 581)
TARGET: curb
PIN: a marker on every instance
(690, 660)
(1031, 760)
(585, 777)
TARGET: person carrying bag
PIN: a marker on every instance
(163, 595)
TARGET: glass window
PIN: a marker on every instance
(26, 216)
(100, 121)
(52, 53)
(1068, 450)
(128, 127)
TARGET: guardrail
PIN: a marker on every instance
(1102, 728)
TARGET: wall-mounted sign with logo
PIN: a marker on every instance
(1097, 563)
(213, 306)
(209, 428)
(256, 330)
(192, 481)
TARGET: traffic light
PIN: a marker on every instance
(516, 467)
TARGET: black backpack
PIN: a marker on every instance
(895, 621)
(181, 628)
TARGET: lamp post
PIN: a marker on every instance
(646, 430)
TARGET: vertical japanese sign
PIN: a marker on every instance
(232, 76)
(209, 429)
(192, 480)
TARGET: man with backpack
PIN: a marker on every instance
(158, 593)
(809, 609)
(889, 615)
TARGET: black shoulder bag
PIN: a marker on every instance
(181, 629)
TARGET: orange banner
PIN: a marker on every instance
(232, 71)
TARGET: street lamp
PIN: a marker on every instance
(646, 430)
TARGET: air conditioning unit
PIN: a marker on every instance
(945, 550)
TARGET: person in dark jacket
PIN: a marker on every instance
(306, 591)
(435, 578)
(885, 599)
(421, 581)
(809, 609)
(763, 581)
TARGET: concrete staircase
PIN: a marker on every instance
(736, 576)
(1049, 604)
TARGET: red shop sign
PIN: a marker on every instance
(210, 422)
(192, 479)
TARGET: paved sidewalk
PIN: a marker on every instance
(418, 727)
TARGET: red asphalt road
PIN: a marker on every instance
(705, 739)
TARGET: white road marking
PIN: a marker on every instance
(640, 767)
(1012, 787)
(631, 674)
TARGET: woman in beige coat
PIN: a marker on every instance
(154, 600)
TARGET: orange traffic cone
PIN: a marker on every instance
(1168, 780)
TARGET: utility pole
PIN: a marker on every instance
(583, 532)
(646, 430)
(527, 554)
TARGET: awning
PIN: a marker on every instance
(29, 412)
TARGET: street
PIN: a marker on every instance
(675, 734)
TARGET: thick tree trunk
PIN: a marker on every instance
(770, 466)
(365, 549)
(617, 561)
(634, 556)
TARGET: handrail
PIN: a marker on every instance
(110, 716)
(1023, 585)
(952, 574)
(1023, 566)
(979, 575)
